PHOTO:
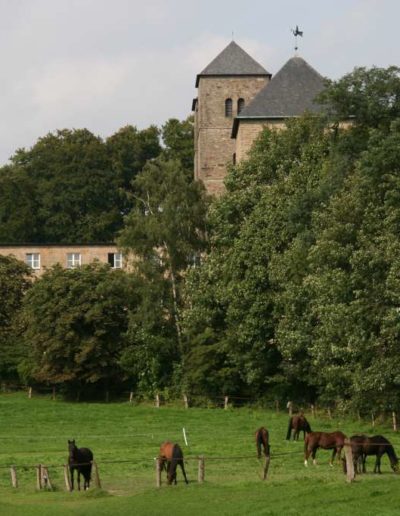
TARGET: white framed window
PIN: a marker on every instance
(73, 260)
(115, 260)
(33, 260)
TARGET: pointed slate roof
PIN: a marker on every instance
(290, 93)
(233, 60)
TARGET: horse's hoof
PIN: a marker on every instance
(305, 463)
(314, 462)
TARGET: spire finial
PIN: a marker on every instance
(296, 32)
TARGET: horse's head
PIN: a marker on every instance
(395, 465)
(307, 426)
(71, 448)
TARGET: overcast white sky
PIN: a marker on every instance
(102, 64)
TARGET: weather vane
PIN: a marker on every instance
(296, 32)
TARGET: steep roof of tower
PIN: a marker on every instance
(291, 92)
(233, 60)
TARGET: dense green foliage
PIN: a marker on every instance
(299, 294)
(125, 439)
(14, 283)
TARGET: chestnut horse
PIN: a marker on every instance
(170, 456)
(326, 441)
(262, 440)
(298, 423)
(362, 446)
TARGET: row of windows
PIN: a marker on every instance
(73, 260)
(229, 107)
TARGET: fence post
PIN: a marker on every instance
(350, 474)
(289, 406)
(266, 466)
(329, 413)
(313, 410)
(97, 482)
(131, 397)
(39, 476)
(67, 478)
(201, 469)
(14, 480)
(30, 392)
(373, 420)
(277, 405)
(157, 401)
(394, 419)
(226, 399)
(45, 478)
(185, 401)
(158, 472)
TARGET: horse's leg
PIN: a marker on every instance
(79, 479)
(378, 463)
(184, 472)
(333, 456)
(307, 452)
(313, 454)
(71, 472)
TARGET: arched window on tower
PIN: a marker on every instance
(228, 108)
(240, 105)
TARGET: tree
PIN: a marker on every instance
(75, 321)
(166, 233)
(14, 283)
(178, 138)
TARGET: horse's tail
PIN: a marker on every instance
(289, 429)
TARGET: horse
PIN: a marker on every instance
(80, 459)
(170, 456)
(362, 446)
(326, 441)
(262, 440)
(298, 423)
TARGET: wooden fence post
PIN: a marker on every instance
(201, 469)
(289, 406)
(277, 406)
(373, 420)
(226, 399)
(394, 419)
(158, 472)
(329, 413)
(350, 474)
(157, 401)
(14, 480)
(131, 397)
(67, 478)
(39, 477)
(266, 466)
(30, 392)
(97, 482)
(185, 401)
(313, 410)
(45, 478)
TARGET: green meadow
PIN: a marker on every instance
(125, 439)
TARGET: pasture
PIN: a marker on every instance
(125, 439)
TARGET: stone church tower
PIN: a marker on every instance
(225, 87)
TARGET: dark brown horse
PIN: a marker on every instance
(80, 459)
(362, 446)
(170, 456)
(298, 423)
(262, 441)
(327, 441)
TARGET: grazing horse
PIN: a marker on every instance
(298, 423)
(362, 446)
(326, 441)
(170, 456)
(80, 459)
(262, 437)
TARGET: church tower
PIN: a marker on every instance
(225, 87)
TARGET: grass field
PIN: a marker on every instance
(36, 430)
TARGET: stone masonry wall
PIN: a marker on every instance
(214, 146)
(248, 131)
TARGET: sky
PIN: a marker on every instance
(104, 64)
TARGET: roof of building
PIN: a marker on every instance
(290, 93)
(233, 60)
